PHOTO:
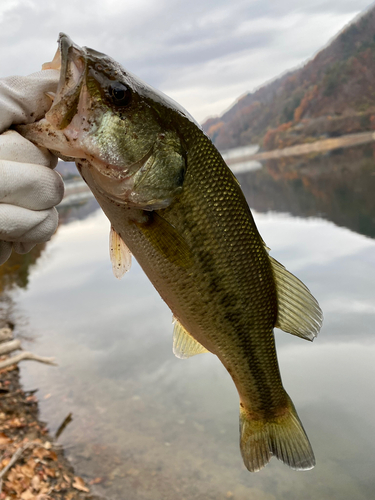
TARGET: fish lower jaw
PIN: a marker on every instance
(100, 177)
(114, 177)
(118, 190)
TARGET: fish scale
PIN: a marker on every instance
(245, 312)
(179, 210)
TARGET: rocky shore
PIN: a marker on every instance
(32, 463)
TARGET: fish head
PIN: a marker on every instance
(120, 125)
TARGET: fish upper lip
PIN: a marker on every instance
(70, 60)
(65, 42)
(65, 45)
(73, 63)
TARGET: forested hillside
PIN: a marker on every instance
(333, 94)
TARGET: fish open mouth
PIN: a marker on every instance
(72, 64)
(70, 60)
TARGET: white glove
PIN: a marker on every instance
(23, 99)
(28, 190)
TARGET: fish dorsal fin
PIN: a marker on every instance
(184, 345)
(121, 257)
(298, 311)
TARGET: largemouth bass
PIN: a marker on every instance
(174, 204)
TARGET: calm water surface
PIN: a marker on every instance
(151, 426)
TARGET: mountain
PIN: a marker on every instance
(333, 94)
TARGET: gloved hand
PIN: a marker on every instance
(28, 190)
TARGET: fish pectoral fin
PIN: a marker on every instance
(184, 345)
(166, 240)
(121, 257)
(298, 311)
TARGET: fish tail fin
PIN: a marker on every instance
(283, 437)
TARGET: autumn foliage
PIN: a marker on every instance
(333, 94)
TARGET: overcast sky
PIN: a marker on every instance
(203, 53)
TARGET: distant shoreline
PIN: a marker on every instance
(320, 146)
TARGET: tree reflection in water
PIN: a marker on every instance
(339, 187)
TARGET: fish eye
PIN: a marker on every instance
(120, 94)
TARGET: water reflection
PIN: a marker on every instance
(339, 186)
(233, 159)
(15, 271)
(155, 427)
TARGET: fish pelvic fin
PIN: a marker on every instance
(298, 311)
(184, 345)
(283, 437)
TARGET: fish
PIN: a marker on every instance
(174, 205)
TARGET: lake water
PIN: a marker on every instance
(149, 426)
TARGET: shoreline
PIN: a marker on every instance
(320, 146)
(33, 465)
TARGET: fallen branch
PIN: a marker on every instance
(62, 427)
(5, 334)
(13, 345)
(26, 355)
(16, 455)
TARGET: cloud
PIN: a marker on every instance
(204, 54)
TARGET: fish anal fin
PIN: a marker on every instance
(166, 240)
(283, 437)
(121, 257)
(298, 311)
(184, 345)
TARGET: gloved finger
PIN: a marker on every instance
(23, 99)
(29, 226)
(14, 147)
(29, 186)
(5, 251)
(22, 247)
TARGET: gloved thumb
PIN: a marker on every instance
(23, 99)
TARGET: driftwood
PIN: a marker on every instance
(63, 425)
(6, 347)
(5, 334)
(26, 355)
(14, 345)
